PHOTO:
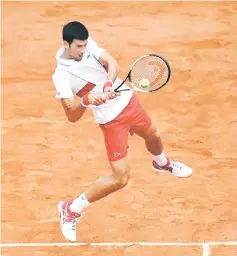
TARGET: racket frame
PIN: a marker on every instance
(130, 70)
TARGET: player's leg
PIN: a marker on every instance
(160, 162)
(116, 141)
(107, 184)
(153, 143)
(71, 210)
(142, 126)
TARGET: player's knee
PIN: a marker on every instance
(123, 181)
(157, 133)
(121, 178)
(153, 133)
(121, 173)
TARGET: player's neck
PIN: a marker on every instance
(66, 55)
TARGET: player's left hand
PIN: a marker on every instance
(110, 93)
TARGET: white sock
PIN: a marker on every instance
(161, 159)
(79, 204)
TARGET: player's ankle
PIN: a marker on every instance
(161, 159)
(79, 204)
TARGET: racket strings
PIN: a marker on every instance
(149, 73)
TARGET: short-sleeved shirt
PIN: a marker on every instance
(73, 77)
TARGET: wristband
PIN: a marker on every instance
(85, 100)
(108, 83)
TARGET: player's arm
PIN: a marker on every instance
(111, 64)
(73, 110)
(112, 68)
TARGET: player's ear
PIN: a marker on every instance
(66, 44)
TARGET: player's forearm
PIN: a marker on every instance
(113, 69)
(75, 112)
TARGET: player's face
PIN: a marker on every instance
(77, 49)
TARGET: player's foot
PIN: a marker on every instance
(177, 169)
(68, 220)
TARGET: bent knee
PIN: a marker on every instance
(121, 172)
(121, 180)
(151, 133)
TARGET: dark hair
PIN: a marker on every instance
(74, 30)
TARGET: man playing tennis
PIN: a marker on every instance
(90, 72)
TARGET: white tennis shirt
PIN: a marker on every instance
(70, 77)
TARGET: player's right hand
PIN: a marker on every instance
(96, 99)
(110, 93)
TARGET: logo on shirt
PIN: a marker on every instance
(116, 154)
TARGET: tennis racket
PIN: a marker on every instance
(147, 74)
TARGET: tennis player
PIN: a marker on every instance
(88, 71)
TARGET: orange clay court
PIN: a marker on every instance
(46, 159)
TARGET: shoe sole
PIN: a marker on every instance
(157, 170)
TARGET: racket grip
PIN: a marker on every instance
(108, 83)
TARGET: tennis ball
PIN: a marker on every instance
(144, 83)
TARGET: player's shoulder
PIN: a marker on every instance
(92, 44)
(60, 76)
(60, 61)
(93, 48)
(62, 65)
(59, 53)
(90, 40)
(61, 72)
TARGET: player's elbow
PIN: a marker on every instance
(73, 115)
(72, 120)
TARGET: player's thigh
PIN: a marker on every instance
(116, 139)
(148, 133)
(141, 122)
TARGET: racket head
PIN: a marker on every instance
(149, 73)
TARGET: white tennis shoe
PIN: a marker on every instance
(68, 220)
(176, 168)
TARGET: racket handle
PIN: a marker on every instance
(123, 90)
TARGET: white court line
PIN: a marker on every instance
(124, 1)
(203, 244)
(205, 250)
